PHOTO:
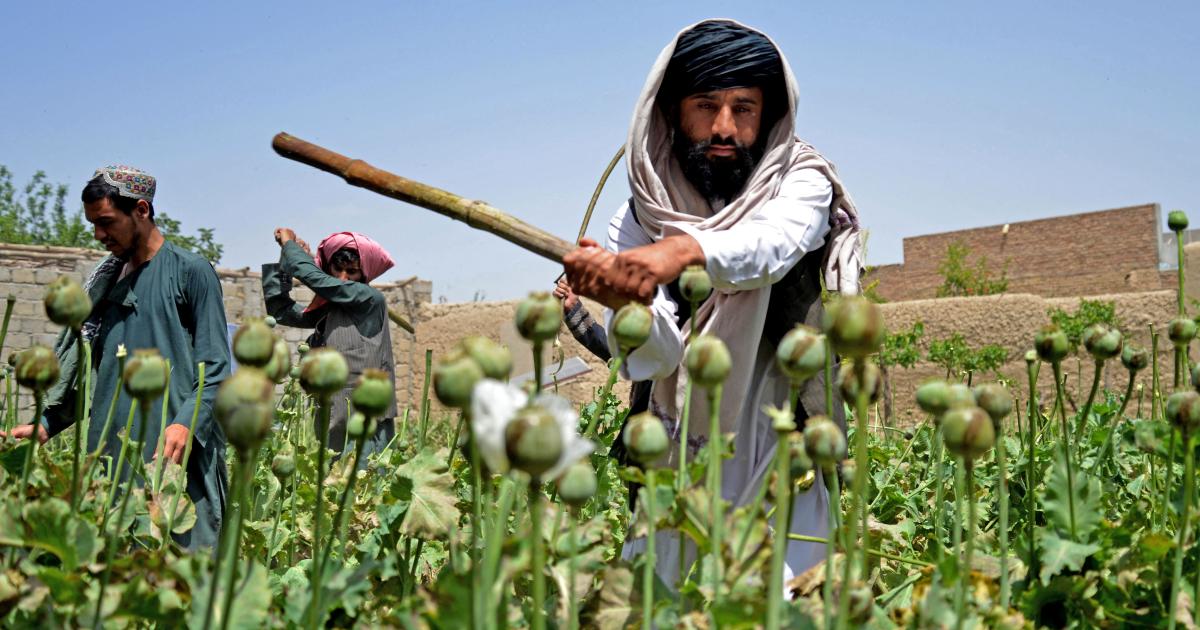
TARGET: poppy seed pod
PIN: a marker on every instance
(995, 400)
(848, 382)
(1134, 359)
(243, 408)
(933, 397)
(631, 326)
(533, 441)
(67, 304)
(1183, 410)
(577, 484)
(36, 367)
(253, 344)
(283, 466)
(1052, 344)
(494, 359)
(302, 349)
(145, 375)
(801, 353)
(280, 365)
(323, 372)
(959, 395)
(359, 425)
(1146, 437)
(968, 432)
(849, 468)
(454, 377)
(1177, 220)
(538, 317)
(645, 438)
(1102, 342)
(855, 326)
(708, 361)
(1181, 331)
(373, 394)
(295, 373)
(1031, 357)
(270, 321)
(695, 284)
(798, 460)
(823, 441)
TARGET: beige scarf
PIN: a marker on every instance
(663, 195)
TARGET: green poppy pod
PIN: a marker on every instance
(253, 344)
(244, 408)
(538, 317)
(494, 359)
(533, 441)
(933, 397)
(1181, 331)
(968, 432)
(373, 393)
(850, 385)
(695, 284)
(849, 468)
(454, 378)
(323, 372)
(283, 466)
(708, 362)
(959, 395)
(855, 326)
(359, 425)
(1134, 359)
(631, 326)
(799, 463)
(302, 349)
(145, 375)
(1031, 357)
(995, 400)
(67, 304)
(577, 484)
(1102, 342)
(645, 438)
(1183, 410)
(295, 373)
(36, 368)
(1177, 220)
(1052, 344)
(280, 365)
(824, 441)
(801, 353)
(270, 321)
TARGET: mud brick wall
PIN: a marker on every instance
(1110, 251)
(25, 270)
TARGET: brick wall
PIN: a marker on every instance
(25, 270)
(1110, 251)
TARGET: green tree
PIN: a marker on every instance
(901, 348)
(961, 278)
(36, 214)
(1089, 312)
(957, 357)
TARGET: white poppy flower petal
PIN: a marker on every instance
(493, 405)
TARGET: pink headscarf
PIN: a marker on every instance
(372, 256)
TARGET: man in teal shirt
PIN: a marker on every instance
(148, 293)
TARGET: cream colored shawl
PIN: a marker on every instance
(662, 195)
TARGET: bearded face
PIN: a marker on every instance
(716, 140)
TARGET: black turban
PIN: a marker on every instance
(720, 55)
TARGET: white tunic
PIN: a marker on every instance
(750, 255)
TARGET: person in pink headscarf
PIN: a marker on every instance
(347, 313)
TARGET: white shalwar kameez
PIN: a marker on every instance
(750, 255)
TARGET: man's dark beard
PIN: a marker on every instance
(720, 179)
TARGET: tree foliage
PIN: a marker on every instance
(36, 214)
(1089, 312)
(961, 278)
(957, 357)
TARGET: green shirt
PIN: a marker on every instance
(172, 303)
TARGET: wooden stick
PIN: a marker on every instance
(476, 214)
(399, 320)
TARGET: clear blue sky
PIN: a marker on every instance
(939, 115)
